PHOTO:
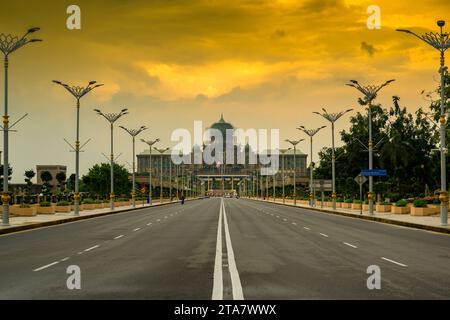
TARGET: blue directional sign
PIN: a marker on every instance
(374, 173)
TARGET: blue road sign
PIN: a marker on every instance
(374, 173)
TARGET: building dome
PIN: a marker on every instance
(222, 126)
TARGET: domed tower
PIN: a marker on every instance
(222, 126)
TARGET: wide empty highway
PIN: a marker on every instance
(224, 249)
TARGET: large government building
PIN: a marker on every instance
(218, 178)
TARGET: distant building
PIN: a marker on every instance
(53, 169)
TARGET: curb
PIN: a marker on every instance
(369, 218)
(37, 225)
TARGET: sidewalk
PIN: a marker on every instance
(431, 223)
(43, 220)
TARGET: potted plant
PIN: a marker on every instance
(63, 206)
(88, 204)
(383, 207)
(400, 207)
(357, 205)
(45, 208)
(339, 202)
(365, 205)
(347, 203)
(420, 208)
(98, 204)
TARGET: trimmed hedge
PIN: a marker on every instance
(401, 203)
(45, 204)
(63, 204)
(420, 203)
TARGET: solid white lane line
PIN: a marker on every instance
(91, 248)
(235, 280)
(350, 245)
(306, 228)
(118, 237)
(46, 266)
(217, 293)
(323, 235)
(395, 262)
(137, 229)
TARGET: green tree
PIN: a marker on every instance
(46, 177)
(97, 180)
(29, 175)
(61, 178)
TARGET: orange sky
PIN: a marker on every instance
(263, 64)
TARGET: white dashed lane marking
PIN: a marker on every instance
(118, 237)
(350, 245)
(395, 262)
(91, 248)
(323, 235)
(137, 229)
(46, 266)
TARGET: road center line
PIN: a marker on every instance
(64, 259)
(137, 229)
(306, 228)
(350, 245)
(46, 266)
(217, 293)
(294, 223)
(235, 280)
(149, 224)
(323, 235)
(395, 262)
(118, 237)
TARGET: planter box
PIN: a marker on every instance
(329, 204)
(400, 210)
(63, 208)
(356, 206)
(89, 206)
(304, 202)
(346, 205)
(22, 212)
(423, 211)
(117, 204)
(365, 207)
(45, 210)
(72, 207)
(98, 205)
(383, 208)
(339, 204)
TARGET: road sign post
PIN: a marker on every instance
(360, 179)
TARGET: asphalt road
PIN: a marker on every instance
(224, 249)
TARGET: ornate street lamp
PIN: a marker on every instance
(150, 144)
(283, 151)
(370, 93)
(294, 144)
(78, 93)
(333, 117)
(311, 133)
(9, 44)
(441, 42)
(134, 133)
(111, 118)
(161, 151)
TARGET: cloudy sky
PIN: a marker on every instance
(262, 63)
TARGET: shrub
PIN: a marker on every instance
(88, 201)
(339, 200)
(98, 201)
(105, 201)
(45, 204)
(63, 203)
(366, 201)
(357, 201)
(348, 201)
(393, 196)
(121, 199)
(401, 203)
(384, 203)
(420, 203)
(25, 205)
(436, 201)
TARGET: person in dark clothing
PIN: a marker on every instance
(182, 199)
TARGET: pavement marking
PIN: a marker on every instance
(306, 228)
(46, 266)
(118, 237)
(294, 223)
(395, 262)
(137, 229)
(165, 217)
(217, 293)
(285, 220)
(278, 217)
(235, 280)
(158, 220)
(149, 224)
(324, 235)
(91, 248)
(65, 259)
(350, 245)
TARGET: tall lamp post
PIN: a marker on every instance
(111, 118)
(9, 44)
(333, 117)
(311, 133)
(370, 93)
(294, 144)
(78, 93)
(161, 152)
(282, 170)
(133, 133)
(150, 144)
(441, 42)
